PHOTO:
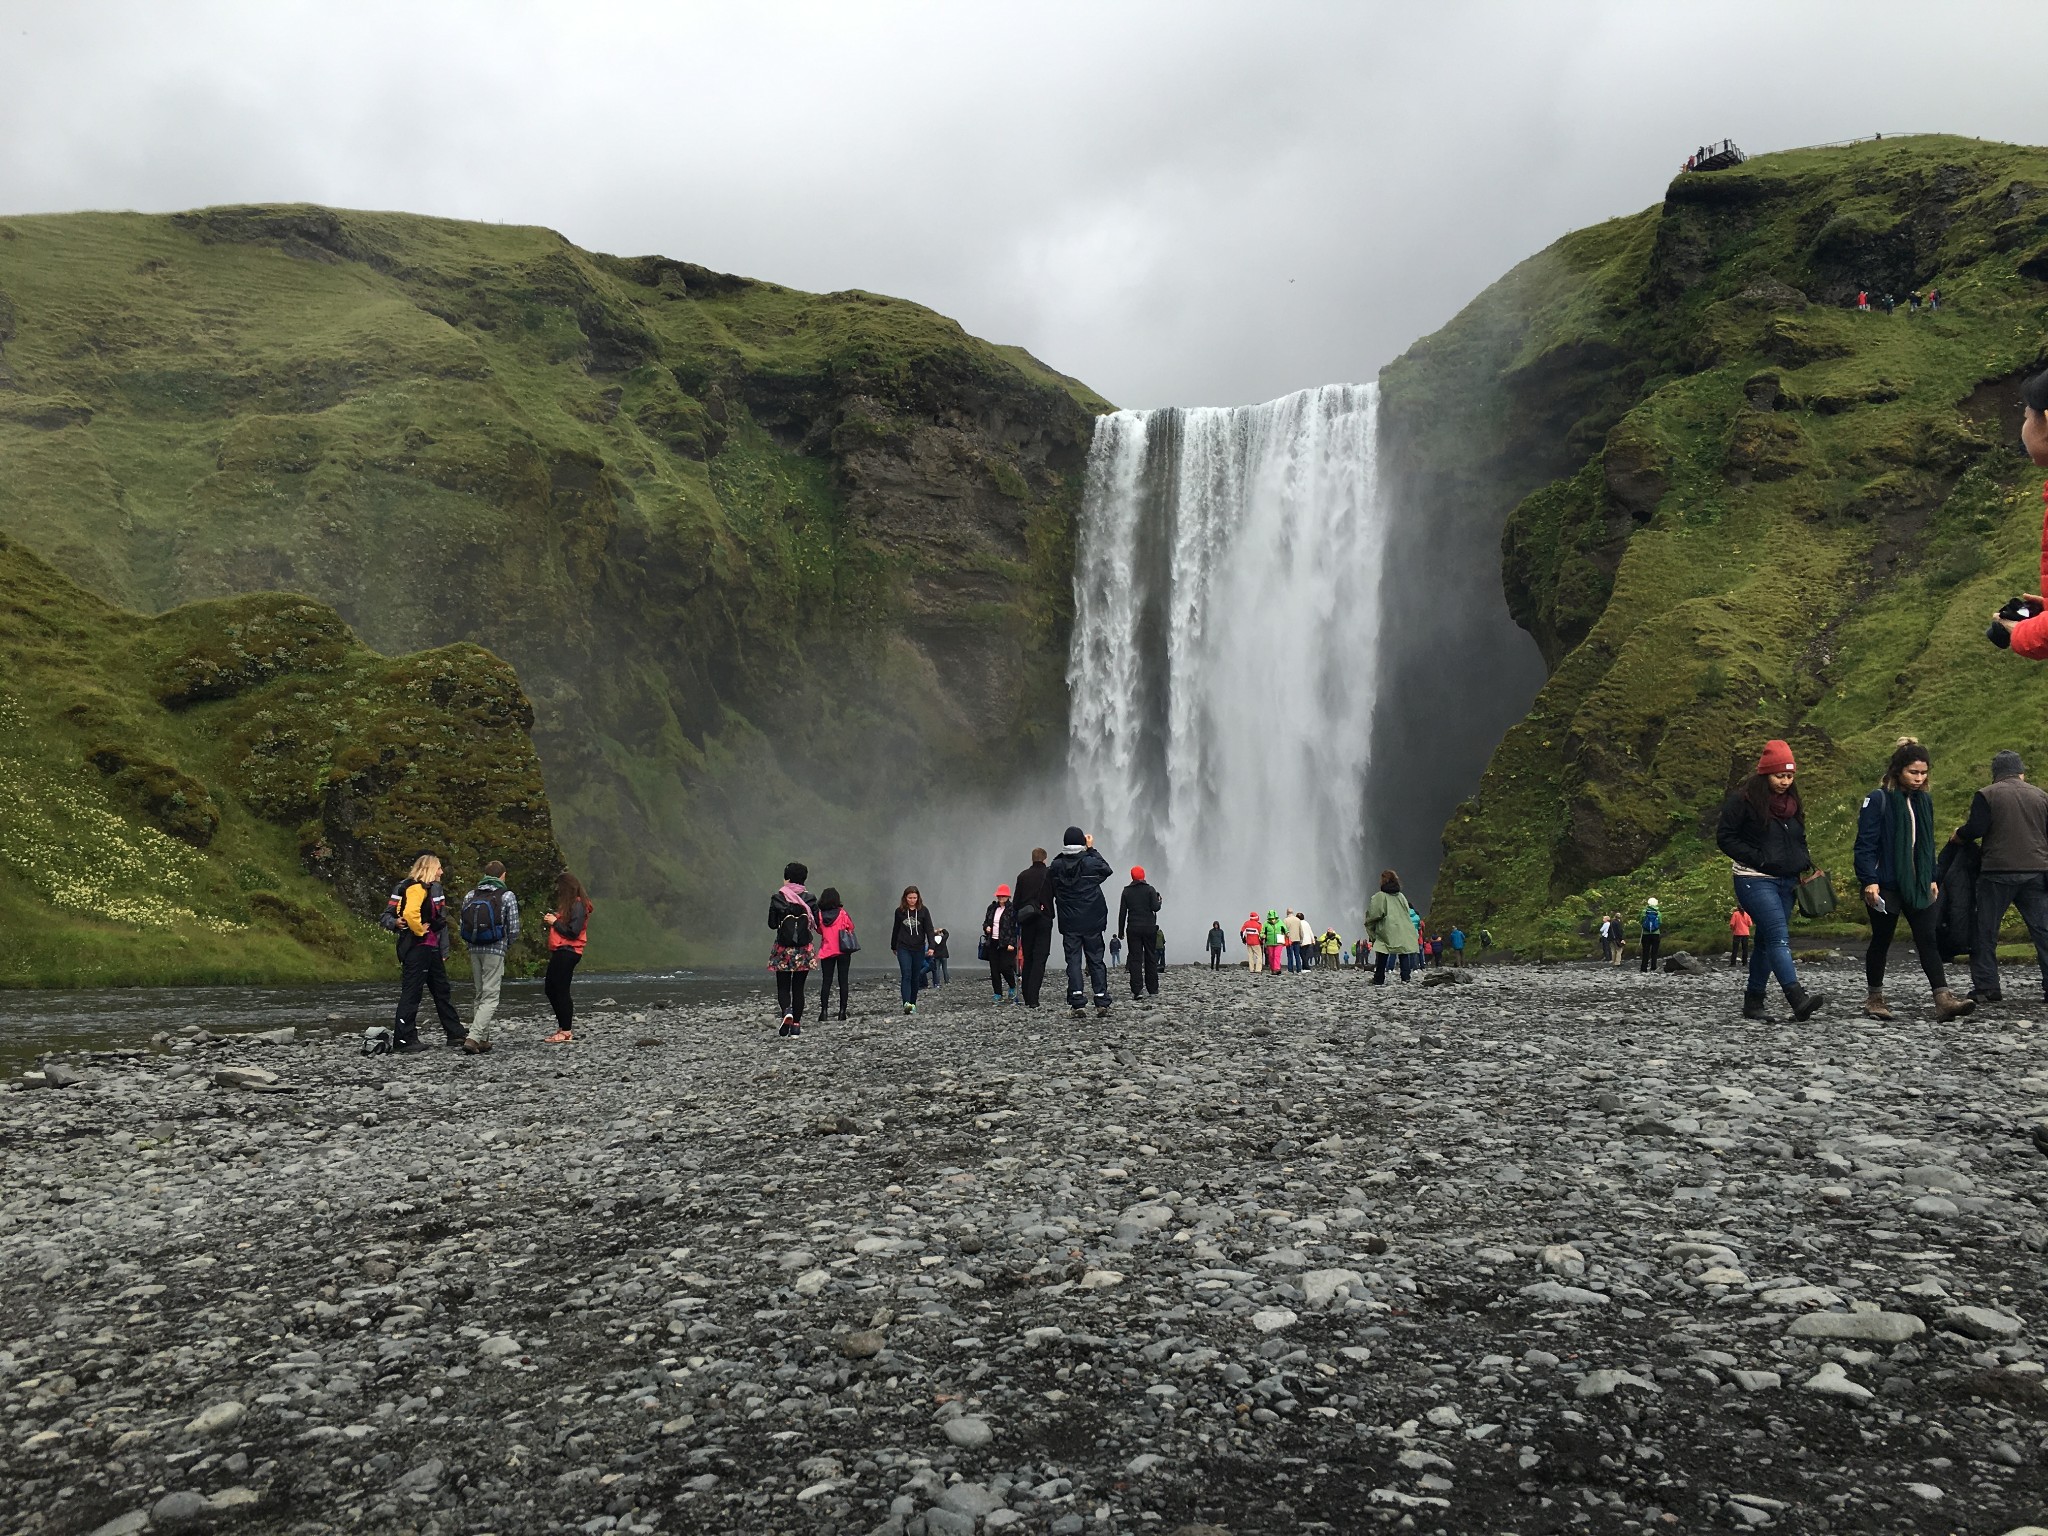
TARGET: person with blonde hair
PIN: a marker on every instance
(418, 914)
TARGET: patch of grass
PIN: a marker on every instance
(1791, 520)
(225, 793)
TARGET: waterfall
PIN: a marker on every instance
(1223, 670)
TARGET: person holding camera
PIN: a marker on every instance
(1763, 832)
(1895, 848)
(2022, 624)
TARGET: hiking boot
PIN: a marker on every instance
(1948, 1006)
(475, 1047)
(1804, 1004)
(1753, 1008)
(1873, 1005)
(1986, 999)
(559, 1037)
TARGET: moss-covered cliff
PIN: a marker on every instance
(221, 793)
(771, 565)
(1734, 507)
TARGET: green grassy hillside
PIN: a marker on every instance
(771, 565)
(224, 792)
(1736, 508)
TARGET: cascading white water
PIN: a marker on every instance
(1226, 624)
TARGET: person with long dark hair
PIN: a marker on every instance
(793, 915)
(1390, 924)
(912, 937)
(834, 923)
(568, 924)
(1763, 832)
(1895, 851)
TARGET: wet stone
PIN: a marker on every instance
(1269, 1254)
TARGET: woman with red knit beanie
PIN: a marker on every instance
(1763, 831)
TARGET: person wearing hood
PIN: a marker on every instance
(1763, 832)
(1896, 845)
(1033, 899)
(1217, 944)
(1137, 916)
(835, 926)
(1077, 874)
(999, 944)
(1273, 933)
(1253, 932)
(1652, 924)
(793, 914)
(1390, 924)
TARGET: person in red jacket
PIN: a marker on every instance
(2029, 637)
(1253, 934)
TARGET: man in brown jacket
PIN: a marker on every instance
(2011, 817)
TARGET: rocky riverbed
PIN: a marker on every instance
(1558, 1249)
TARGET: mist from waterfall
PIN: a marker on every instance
(1223, 671)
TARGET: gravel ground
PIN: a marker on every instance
(1561, 1248)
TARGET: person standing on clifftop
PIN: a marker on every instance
(420, 909)
(1034, 926)
(1078, 872)
(1763, 833)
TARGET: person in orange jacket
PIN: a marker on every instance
(1253, 932)
(2029, 637)
(568, 931)
(1740, 926)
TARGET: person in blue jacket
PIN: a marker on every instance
(1077, 874)
(1896, 846)
(1653, 936)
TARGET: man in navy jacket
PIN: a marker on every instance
(1077, 875)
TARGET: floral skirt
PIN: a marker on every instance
(783, 958)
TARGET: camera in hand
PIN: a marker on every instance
(2015, 609)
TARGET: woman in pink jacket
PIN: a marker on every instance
(834, 922)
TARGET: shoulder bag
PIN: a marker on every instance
(1816, 894)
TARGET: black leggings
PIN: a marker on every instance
(790, 987)
(1002, 968)
(561, 966)
(1884, 924)
(833, 964)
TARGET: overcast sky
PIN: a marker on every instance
(1189, 203)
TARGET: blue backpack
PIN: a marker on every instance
(483, 917)
(1653, 920)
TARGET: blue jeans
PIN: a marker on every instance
(1769, 901)
(1085, 948)
(910, 969)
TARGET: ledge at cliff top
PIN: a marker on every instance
(764, 560)
(1735, 508)
(221, 793)
(1559, 1249)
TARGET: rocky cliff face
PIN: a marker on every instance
(223, 793)
(1732, 507)
(772, 566)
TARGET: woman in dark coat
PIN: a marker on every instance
(1763, 831)
(913, 939)
(1896, 846)
(999, 944)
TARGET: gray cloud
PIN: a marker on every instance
(1193, 202)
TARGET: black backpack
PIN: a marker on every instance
(483, 917)
(791, 921)
(393, 906)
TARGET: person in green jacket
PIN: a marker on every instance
(1390, 924)
(1275, 936)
